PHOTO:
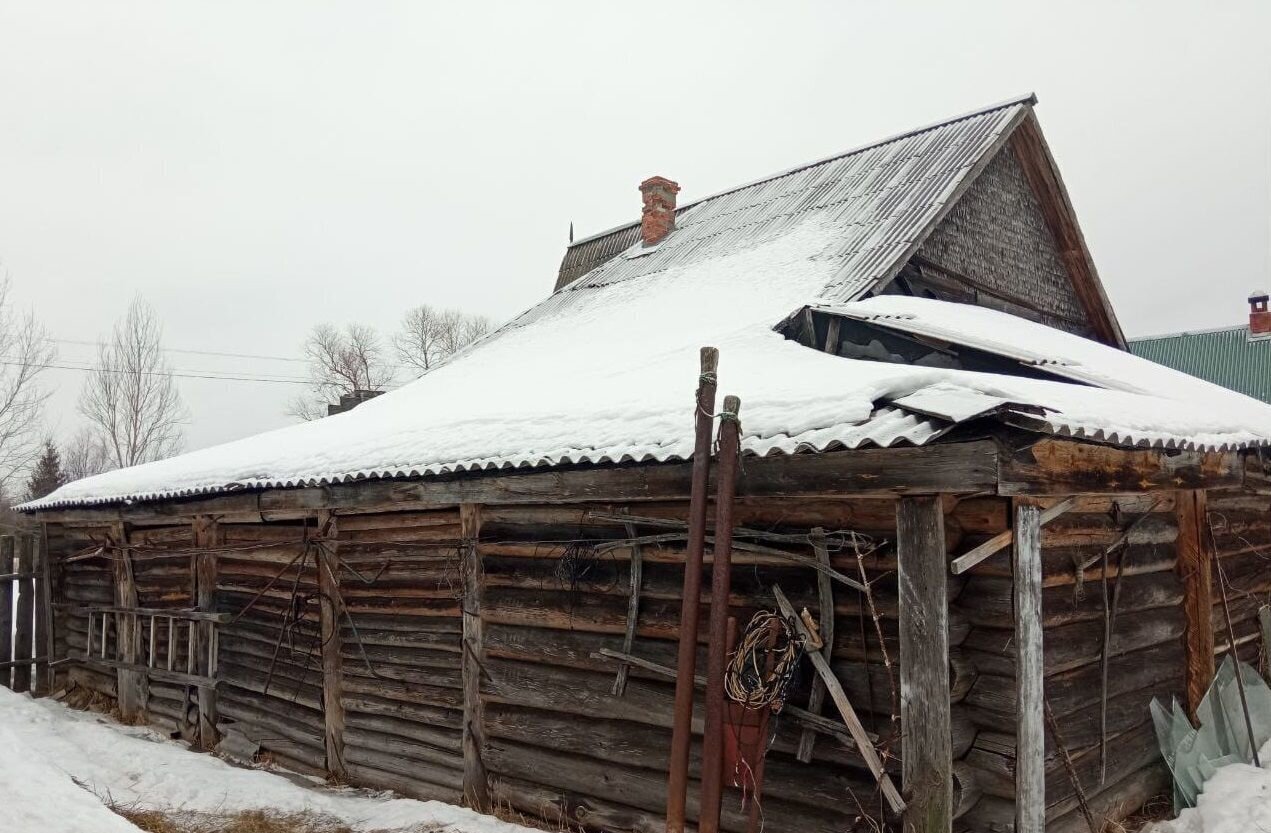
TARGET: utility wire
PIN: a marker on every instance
(172, 374)
(191, 352)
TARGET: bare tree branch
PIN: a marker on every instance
(427, 336)
(84, 456)
(341, 362)
(130, 399)
(25, 351)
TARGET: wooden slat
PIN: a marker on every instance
(1030, 764)
(476, 781)
(330, 613)
(1195, 568)
(925, 714)
(23, 627)
(6, 609)
(46, 643)
(635, 577)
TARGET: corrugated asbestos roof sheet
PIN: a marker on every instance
(1225, 357)
(883, 198)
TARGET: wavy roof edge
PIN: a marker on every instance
(1029, 99)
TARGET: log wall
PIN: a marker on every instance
(558, 742)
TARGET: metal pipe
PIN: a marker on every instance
(691, 596)
(721, 585)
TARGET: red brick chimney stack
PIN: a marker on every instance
(1259, 317)
(658, 218)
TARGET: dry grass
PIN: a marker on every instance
(1157, 808)
(251, 821)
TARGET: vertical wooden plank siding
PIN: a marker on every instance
(476, 787)
(1030, 764)
(331, 610)
(1195, 567)
(206, 536)
(925, 713)
(43, 638)
(22, 631)
(131, 684)
(6, 610)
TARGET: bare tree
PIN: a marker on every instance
(25, 351)
(428, 335)
(341, 362)
(84, 455)
(130, 399)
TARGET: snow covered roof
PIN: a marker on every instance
(605, 369)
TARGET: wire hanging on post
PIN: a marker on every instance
(744, 679)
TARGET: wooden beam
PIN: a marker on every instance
(6, 610)
(855, 728)
(1030, 745)
(42, 684)
(925, 712)
(636, 578)
(330, 612)
(1002, 540)
(207, 535)
(956, 468)
(23, 628)
(1195, 569)
(825, 612)
(131, 684)
(1054, 466)
(476, 782)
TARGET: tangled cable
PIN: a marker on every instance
(745, 680)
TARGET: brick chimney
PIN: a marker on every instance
(658, 218)
(1259, 317)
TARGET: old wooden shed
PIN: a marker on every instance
(469, 588)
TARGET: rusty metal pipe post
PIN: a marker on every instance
(721, 586)
(691, 597)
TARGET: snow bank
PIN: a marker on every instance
(1236, 799)
(57, 764)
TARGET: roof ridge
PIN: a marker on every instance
(1029, 99)
(1181, 333)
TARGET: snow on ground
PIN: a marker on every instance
(58, 766)
(1237, 799)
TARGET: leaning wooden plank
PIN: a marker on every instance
(825, 609)
(848, 713)
(1003, 539)
(925, 712)
(1030, 764)
(633, 611)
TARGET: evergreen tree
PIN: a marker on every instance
(48, 474)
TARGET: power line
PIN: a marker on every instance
(191, 352)
(173, 374)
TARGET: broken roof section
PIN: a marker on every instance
(604, 370)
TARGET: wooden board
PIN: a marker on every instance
(1195, 568)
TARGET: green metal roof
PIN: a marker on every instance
(1225, 357)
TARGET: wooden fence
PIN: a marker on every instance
(26, 633)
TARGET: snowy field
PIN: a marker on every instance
(60, 768)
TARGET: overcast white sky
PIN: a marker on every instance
(253, 168)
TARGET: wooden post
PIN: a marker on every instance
(1195, 567)
(41, 683)
(331, 611)
(1264, 626)
(22, 629)
(1030, 744)
(925, 712)
(825, 611)
(6, 611)
(206, 536)
(131, 684)
(476, 786)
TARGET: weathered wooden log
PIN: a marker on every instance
(1030, 772)
(409, 785)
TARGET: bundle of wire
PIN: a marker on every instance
(747, 680)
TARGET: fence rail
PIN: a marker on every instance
(26, 625)
(162, 651)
